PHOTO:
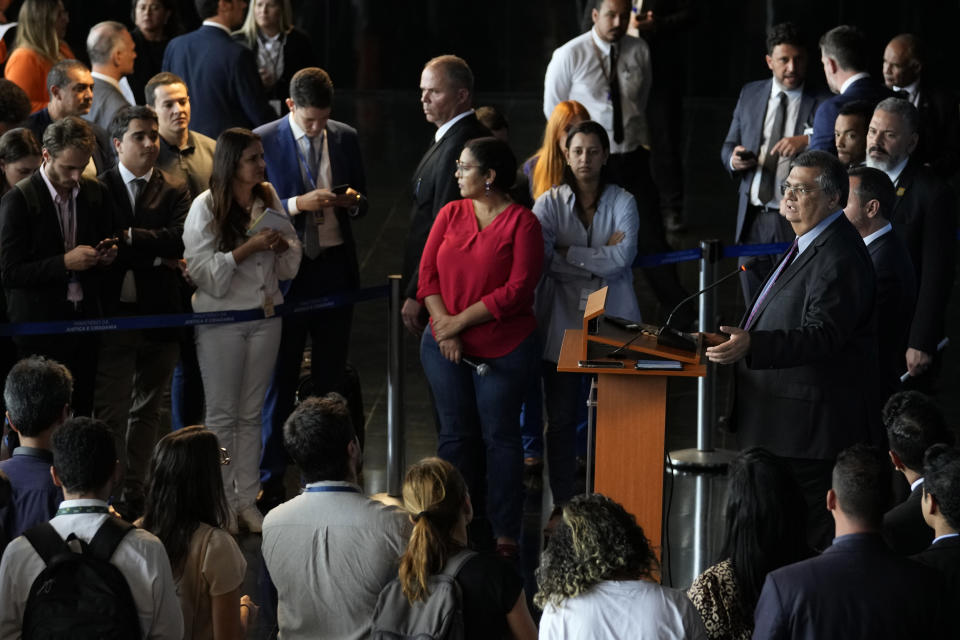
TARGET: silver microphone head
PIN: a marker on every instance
(483, 369)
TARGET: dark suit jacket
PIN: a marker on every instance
(896, 298)
(157, 232)
(221, 75)
(866, 89)
(855, 589)
(104, 156)
(925, 216)
(944, 556)
(284, 173)
(746, 128)
(939, 144)
(31, 251)
(107, 100)
(904, 529)
(433, 186)
(297, 54)
(801, 391)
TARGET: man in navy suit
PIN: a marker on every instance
(941, 510)
(762, 139)
(870, 201)
(843, 52)
(308, 156)
(807, 338)
(856, 588)
(914, 423)
(222, 74)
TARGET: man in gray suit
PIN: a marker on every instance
(112, 53)
(766, 132)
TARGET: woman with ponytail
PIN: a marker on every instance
(494, 605)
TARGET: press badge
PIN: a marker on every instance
(268, 310)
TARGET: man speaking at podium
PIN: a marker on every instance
(806, 349)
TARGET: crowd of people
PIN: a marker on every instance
(202, 171)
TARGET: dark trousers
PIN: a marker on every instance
(762, 226)
(564, 399)
(329, 332)
(632, 172)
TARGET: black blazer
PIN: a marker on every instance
(939, 144)
(925, 216)
(944, 556)
(157, 226)
(434, 185)
(297, 54)
(104, 156)
(896, 299)
(225, 88)
(856, 588)
(801, 390)
(31, 251)
(904, 529)
(746, 128)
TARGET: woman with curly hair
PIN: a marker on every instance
(596, 580)
(765, 531)
(492, 591)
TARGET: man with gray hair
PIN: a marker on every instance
(112, 53)
(806, 339)
(37, 395)
(925, 216)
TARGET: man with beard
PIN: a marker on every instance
(925, 216)
(766, 132)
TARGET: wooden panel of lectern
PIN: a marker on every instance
(631, 406)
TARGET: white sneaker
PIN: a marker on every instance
(251, 519)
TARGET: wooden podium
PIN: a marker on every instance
(631, 410)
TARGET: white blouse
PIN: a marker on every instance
(222, 284)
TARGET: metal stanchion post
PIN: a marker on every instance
(395, 426)
(705, 457)
(591, 432)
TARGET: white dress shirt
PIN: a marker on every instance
(578, 71)
(328, 233)
(794, 96)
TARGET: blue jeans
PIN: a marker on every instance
(480, 426)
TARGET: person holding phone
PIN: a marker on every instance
(233, 271)
(306, 152)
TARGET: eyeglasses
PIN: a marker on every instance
(462, 166)
(800, 190)
(224, 456)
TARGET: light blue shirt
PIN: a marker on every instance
(807, 239)
(590, 264)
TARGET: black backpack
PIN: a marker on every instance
(80, 595)
(439, 617)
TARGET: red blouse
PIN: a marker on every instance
(499, 265)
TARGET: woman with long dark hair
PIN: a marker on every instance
(766, 530)
(20, 156)
(493, 602)
(237, 267)
(479, 268)
(590, 241)
(186, 508)
(598, 579)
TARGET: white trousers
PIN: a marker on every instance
(236, 364)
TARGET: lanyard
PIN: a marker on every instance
(331, 488)
(306, 165)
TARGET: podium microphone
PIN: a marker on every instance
(670, 337)
(482, 368)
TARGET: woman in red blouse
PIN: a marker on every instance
(479, 269)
